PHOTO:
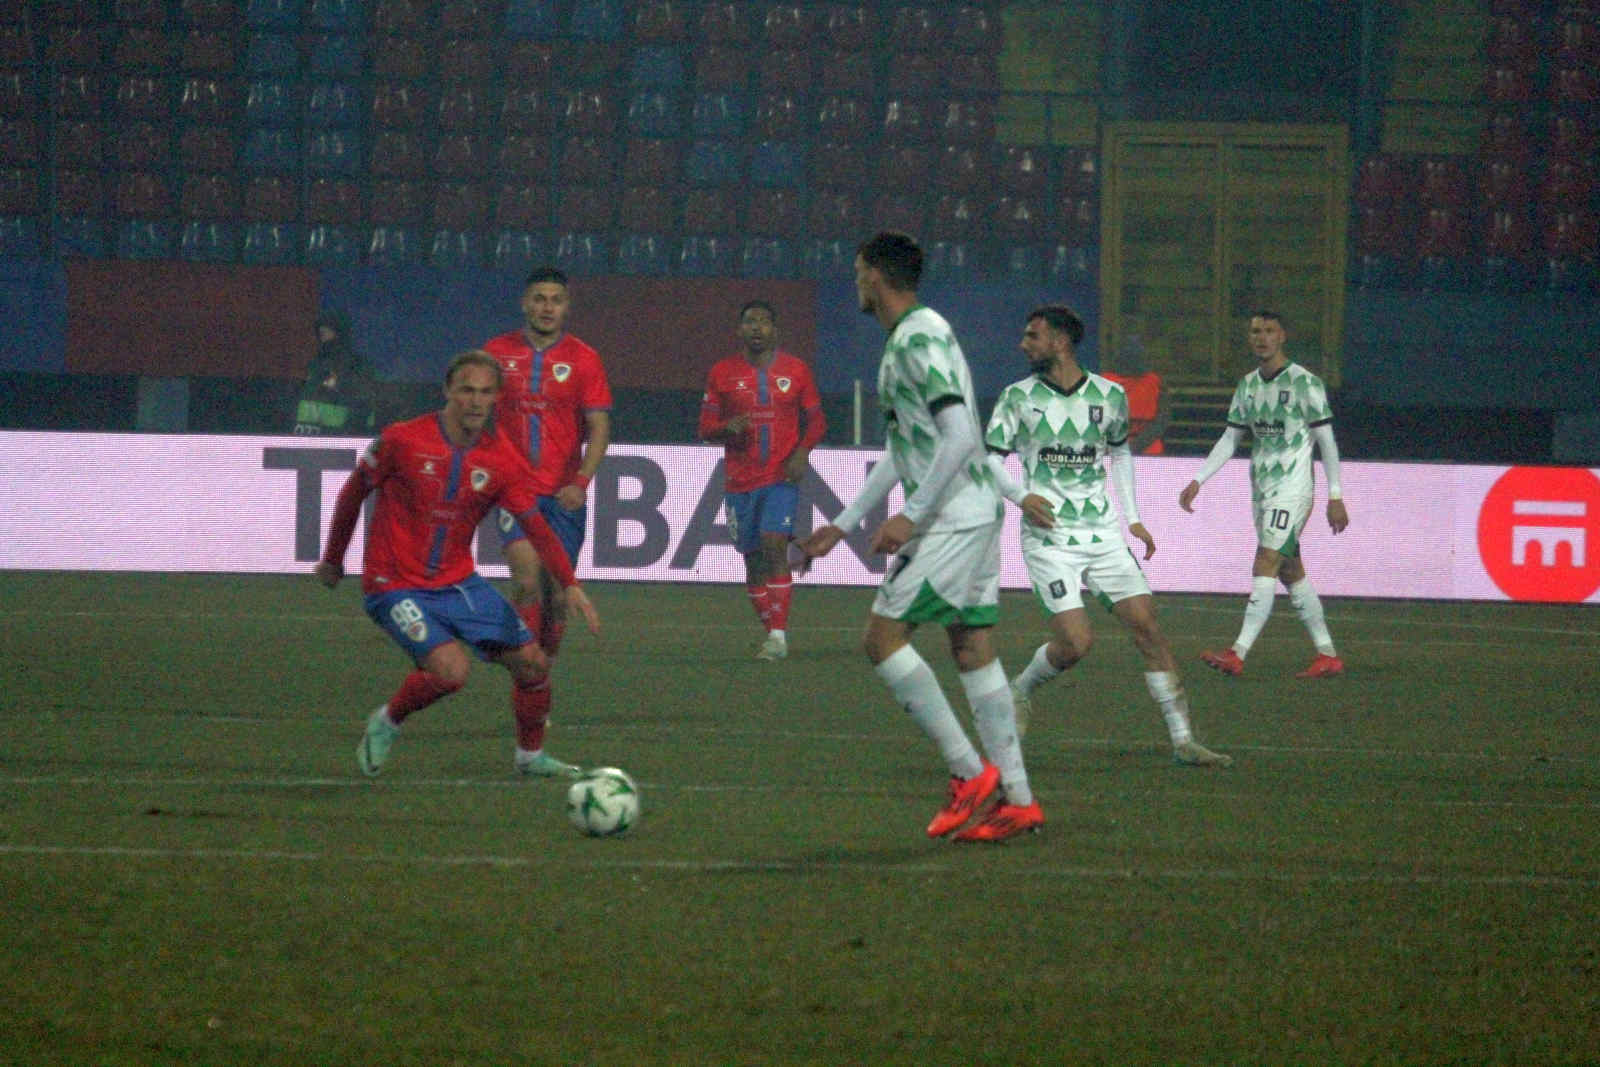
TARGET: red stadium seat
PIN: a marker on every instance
(333, 200)
(967, 121)
(1502, 182)
(143, 195)
(529, 63)
(660, 22)
(141, 48)
(1571, 137)
(466, 60)
(208, 196)
(774, 213)
(963, 168)
(835, 213)
(1508, 233)
(898, 211)
(971, 72)
(1019, 218)
(723, 23)
(522, 156)
(788, 26)
(400, 59)
(1570, 233)
(648, 209)
(1512, 44)
(143, 145)
(397, 202)
(268, 198)
(1567, 183)
(588, 112)
(80, 192)
(1021, 169)
(839, 164)
(907, 119)
(789, 69)
(461, 108)
(1575, 88)
(918, 28)
(586, 160)
(720, 67)
(1443, 182)
(400, 16)
(80, 144)
(460, 207)
(1079, 223)
(212, 14)
(75, 47)
(780, 116)
(849, 72)
(1505, 136)
(1443, 232)
(845, 117)
(976, 28)
(399, 105)
(467, 18)
(910, 72)
(709, 210)
(141, 12)
(73, 95)
(526, 110)
(206, 100)
(461, 155)
(397, 154)
(586, 207)
(19, 143)
(522, 206)
(903, 166)
(652, 161)
(956, 216)
(1507, 85)
(209, 50)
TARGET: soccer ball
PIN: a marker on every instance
(605, 801)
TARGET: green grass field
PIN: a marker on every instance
(1403, 865)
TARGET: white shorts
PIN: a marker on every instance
(1279, 520)
(1059, 571)
(946, 578)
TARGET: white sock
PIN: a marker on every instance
(1257, 610)
(779, 634)
(1167, 691)
(1038, 671)
(913, 684)
(1309, 607)
(996, 720)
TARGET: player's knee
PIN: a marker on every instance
(1069, 648)
(449, 676)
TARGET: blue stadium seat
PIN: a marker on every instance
(827, 259)
(19, 237)
(583, 254)
(599, 20)
(271, 102)
(454, 249)
(952, 262)
(270, 149)
(517, 250)
(273, 14)
(532, 18)
(332, 246)
(711, 163)
(334, 57)
(333, 104)
(144, 239)
(343, 16)
(208, 242)
(271, 53)
(81, 236)
(643, 254)
(653, 113)
(718, 115)
(766, 257)
(703, 255)
(1074, 264)
(271, 243)
(333, 152)
(657, 67)
(777, 164)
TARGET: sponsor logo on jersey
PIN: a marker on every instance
(1539, 533)
(480, 478)
(1267, 428)
(1057, 457)
(561, 371)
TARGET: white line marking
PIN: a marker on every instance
(1519, 881)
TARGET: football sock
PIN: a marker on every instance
(415, 693)
(1167, 691)
(550, 635)
(1308, 605)
(1038, 671)
(913, 684)
(760, 599)
(531, 706)
(778, 590)
(532, 616)
(1257, 610)
(996, 720)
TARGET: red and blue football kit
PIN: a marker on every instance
(774, 396)
(431, 496)
(544, 396)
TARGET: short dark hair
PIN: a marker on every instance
(897, 255)
(1267, 313)
(546, 274)
(472, 357)
(752, 305)
(1062, 318)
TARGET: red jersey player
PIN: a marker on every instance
(754, 405)
(436, 477)
(556, 408)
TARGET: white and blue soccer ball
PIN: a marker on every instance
(604, 802)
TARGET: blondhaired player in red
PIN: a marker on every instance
(555, 406)
(436, 477)
(754, 406)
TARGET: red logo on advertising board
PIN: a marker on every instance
(1539, 533)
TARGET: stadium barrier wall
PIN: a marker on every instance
(156, 502)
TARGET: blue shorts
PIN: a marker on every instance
(472, 611)
(769, 509)
(568, 526)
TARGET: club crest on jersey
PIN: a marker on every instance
(782, 384)
(1096, 413)
(561, 371)
(480, 478)
(428, 467)
(1283, 397)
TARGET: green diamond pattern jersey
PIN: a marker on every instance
(1279, 412)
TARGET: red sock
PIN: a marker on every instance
(418, 691)
(760, 600)
(778, 590)
(532, 616)
(531, 705)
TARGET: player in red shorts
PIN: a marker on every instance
(436, 477)
(555, 406)
(753, 407)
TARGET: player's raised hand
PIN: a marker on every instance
(328, 573)
(1338, 517)
(1037, 510)
(1137, 530)
(1186, 498)
(577, 598)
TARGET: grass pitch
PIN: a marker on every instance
(1402, 866)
